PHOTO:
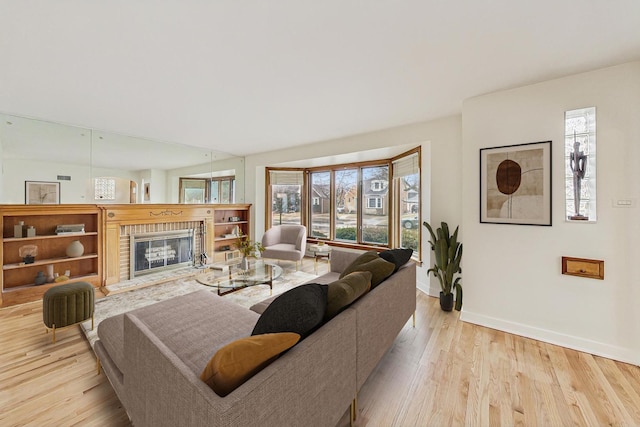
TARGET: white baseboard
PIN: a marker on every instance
(424, 287)
(621, 354)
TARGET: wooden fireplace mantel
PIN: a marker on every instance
(100, 263)
(116, 216)
(159, 213)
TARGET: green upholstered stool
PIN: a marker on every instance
(67, 305)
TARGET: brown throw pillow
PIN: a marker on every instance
(345, 291)
(238, 361)
(370, 261)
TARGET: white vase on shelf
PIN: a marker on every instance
(50, 276)
(75, 249)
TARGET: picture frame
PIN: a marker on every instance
(515, 184)
(147, 191)
(41, 193)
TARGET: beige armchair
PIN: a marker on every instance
(285, 242)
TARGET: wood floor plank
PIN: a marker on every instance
(443, 372)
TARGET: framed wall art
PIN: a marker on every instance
(515, 184)
(41, 193)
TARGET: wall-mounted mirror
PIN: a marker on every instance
(136, 170)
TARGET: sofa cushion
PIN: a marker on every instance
(299, 310)
(342, 292)
(398, 257)
(370, 261)
(239, 360)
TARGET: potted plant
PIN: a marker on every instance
(448, 254)
(248, 248)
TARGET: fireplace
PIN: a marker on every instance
(154, 252)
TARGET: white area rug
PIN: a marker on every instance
(118, 303)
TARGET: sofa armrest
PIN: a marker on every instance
(311, 384)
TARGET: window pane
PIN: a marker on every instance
(105, 189)
(375, 207)
(215, 188)
(409, 202)
(225, 191)
(285, 204)
(346, 205)
(193, 190)
(320, 194)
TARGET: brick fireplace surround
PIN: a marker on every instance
(124, 220)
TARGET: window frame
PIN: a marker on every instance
(393, 202)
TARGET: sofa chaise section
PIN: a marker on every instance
(311, 384)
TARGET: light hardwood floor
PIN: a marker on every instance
(442, 372)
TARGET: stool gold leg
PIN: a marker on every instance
(414, 319)
(54, 333)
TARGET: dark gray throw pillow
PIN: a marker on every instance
(299, 310)
(379, 268)
(342, 292)
(399, 256)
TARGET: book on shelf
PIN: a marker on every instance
(70, 229)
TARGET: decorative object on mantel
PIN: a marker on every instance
(515, 184)
(448, 253)
(166, 212)
(582, 267)
(75, 249)
(41, 193)
(28, 253)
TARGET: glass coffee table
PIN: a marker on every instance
(235, 278)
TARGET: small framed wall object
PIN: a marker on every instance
(582, 267)
(147, 192)
(515, 184)
(41, 193)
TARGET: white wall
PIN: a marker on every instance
(441, 158)
(512, 276)
(17, 171)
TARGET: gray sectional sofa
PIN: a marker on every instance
(153, 357)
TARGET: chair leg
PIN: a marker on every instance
(98, 365)
(54, 333)
(414, 319)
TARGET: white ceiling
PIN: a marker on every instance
(245, 77)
